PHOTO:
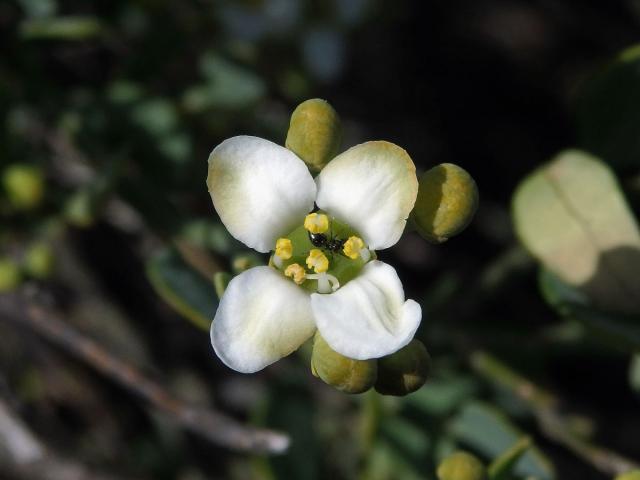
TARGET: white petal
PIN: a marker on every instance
(372, 187)
(261, 190)
(368, 317)
(262, 317)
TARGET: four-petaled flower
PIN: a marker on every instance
(264, 194)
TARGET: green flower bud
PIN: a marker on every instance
(10, 276)
(39, 261)
(404, 371)
(314, 133)
(447, 200)
(24, 185)
(634, 475)
(345, 374)
(461, 466)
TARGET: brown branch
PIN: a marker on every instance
(208, 424)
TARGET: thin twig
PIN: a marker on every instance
(552, 422)
(208, 424)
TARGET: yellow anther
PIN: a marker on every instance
(316, 223)
(284, 248)
(352, 247)
(318, 261)
(296, 272)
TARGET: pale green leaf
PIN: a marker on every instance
(182, 287)
(158, 116)
(490, 432)
(62, 28)
(571, 215)
(442, 396)
(227, 86)
(406, 436)
(502, 466)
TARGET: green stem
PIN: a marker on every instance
(371, 414)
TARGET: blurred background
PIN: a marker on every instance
(109, 241)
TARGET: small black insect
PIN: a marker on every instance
(320, 240)
(335, 244)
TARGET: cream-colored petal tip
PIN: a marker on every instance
(368, 317)
(261, 318)
(260, 190)
(372, 187)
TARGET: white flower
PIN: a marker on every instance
(262, 192)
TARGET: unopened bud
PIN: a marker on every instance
(447, 200)
(404, 371)
(345, 374)
(314, 133)
(461, 466)
(24, 185)
(10, 276)
(39, 261)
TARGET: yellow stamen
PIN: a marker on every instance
(318, 261)
(296, 272)
(284, 248)
(352, 247)
(316, 223)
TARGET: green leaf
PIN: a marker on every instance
(39, 8)
(124, 92)
(571, 215)
(158, 116)
(407, 437)
(62, 28)
(442, 396)
(288, 409)
(183, 288)
(608, 110)
(619, 330)
(502, 467)
(489, 431)
(227, 87)
(176, 147)
(386, 463)
(210, 234)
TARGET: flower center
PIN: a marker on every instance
(322, 254)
